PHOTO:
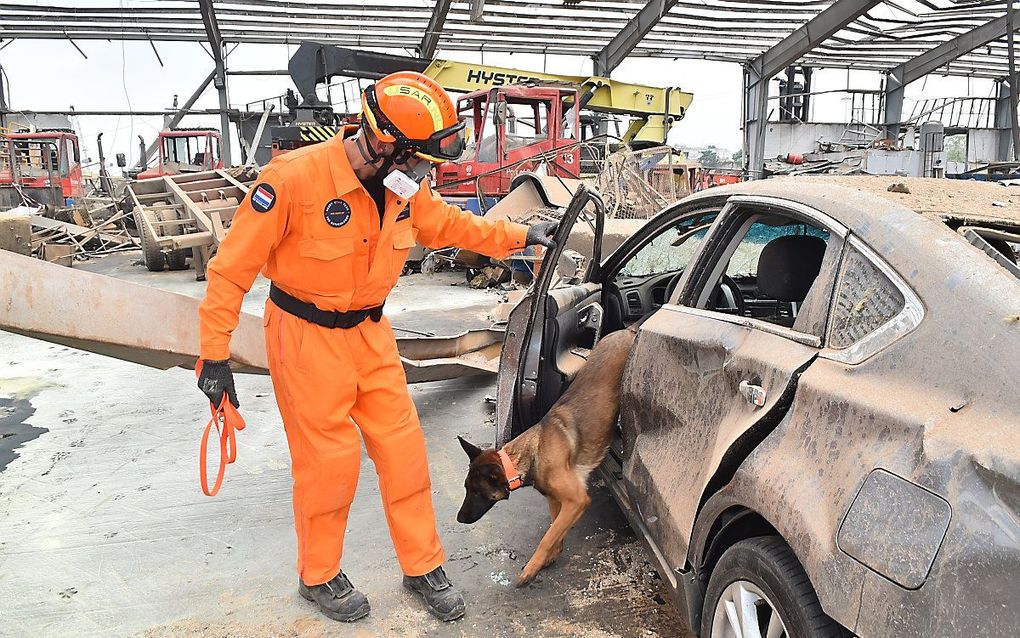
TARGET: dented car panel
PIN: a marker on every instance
(886, 454)
(669, 460)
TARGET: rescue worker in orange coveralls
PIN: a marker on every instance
(321, 224)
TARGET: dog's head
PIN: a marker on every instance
(485, 484)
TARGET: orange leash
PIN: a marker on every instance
(227, 421)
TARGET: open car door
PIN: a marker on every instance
(551, 331)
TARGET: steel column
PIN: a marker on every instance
(916, 68)
(430, 41)
(218, 47)
(477, 9)
(3, 100)
(617, 49)
(761, 69)
(1014, 125)
(1004, 131)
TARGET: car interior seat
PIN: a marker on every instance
(787, 267)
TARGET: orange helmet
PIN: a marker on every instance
(415, 114)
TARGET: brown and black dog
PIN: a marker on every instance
(557, 454)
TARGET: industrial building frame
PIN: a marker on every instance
(904, 39)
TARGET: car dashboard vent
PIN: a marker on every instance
(634, 303)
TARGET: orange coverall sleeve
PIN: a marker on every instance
(440, 225)
(239, 258)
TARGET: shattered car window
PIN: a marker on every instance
(865, 300)
(744, 263)
(671, 250)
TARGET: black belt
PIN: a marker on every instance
(327, 318)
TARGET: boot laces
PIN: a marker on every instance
(343, 585)
(437, 579)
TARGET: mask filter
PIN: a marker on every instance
(407, 183)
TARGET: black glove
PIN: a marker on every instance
(542, 233)
(215, 379)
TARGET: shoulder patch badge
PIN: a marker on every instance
(337, 213)
(263, 198)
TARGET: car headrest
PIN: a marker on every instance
(788, 266)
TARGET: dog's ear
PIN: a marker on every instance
(472, 451)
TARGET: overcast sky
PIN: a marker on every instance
(52, 75)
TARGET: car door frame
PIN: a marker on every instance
(517, 394)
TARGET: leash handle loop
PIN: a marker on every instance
(227, 421)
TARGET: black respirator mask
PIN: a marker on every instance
(405, 183)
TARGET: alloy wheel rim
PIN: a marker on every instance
(744, 611)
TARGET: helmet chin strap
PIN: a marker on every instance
(371, 157)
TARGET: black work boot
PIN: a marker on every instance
(336, 598)
(440, 597)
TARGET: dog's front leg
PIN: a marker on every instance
(554, 511)
(570, 511)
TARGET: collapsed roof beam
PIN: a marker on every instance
(916, 68)
(631, 35)
(430, 41)
(212, 31)
(761, 69)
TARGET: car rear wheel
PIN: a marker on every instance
(759, 588)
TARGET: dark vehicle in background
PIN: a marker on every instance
(818, 430)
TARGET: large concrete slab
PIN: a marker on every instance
(104, 531)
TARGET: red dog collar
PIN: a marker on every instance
(513, 477)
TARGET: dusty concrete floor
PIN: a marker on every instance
(104, 531)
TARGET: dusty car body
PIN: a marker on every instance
(865, 415)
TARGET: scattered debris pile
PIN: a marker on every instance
(93, 225)
(829, 158)
(638, 184)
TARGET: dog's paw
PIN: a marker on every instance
(527, 575)
(553, 555)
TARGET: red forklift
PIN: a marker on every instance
(512, 130)
(43, 167)
(185, 151)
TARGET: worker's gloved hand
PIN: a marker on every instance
(542, 233)
(215, 378)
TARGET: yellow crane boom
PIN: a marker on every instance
(654, 108)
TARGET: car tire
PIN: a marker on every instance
(761, 575)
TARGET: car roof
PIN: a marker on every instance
(907, 230)
(967, 201)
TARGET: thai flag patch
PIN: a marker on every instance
(263, 197)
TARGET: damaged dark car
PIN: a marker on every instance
(818, 431)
